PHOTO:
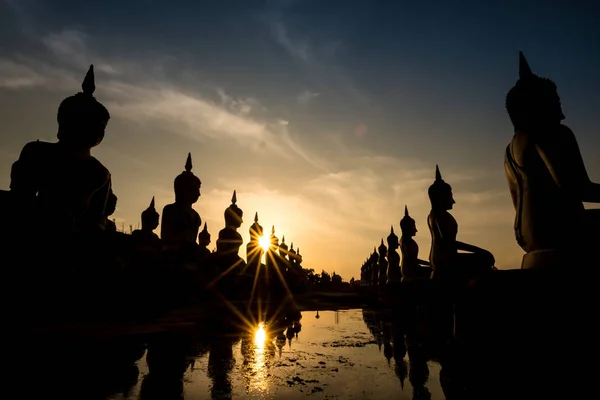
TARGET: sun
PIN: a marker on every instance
(264, 242)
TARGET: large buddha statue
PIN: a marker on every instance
(180, 222)
(394, 273)
(446, 261)
(374, 267)
(62, 181)
(412, 266)
(547, 177)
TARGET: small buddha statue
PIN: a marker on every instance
(283, 250)
(146, 242)
(394, 273)
(374, 267)
(412, 266)
(444, 255)
(180, 222)
(254, 251)
(203, 243)
(547, 177)
(298, 259)
(293, 257)
(271, 265)
(61, 186)
(109, 209)
(383, 264)
(150, 220)
(230, 240)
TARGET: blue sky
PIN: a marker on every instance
(325, 116)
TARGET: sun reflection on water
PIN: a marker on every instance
(259, 374)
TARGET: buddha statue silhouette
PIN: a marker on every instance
(230, 240)
(254, 250)
(180, 222)
(412, 266)
(547, 178)
(62, 181)
(446, 261)
(382, 264)
(150, 220)
(394, 273)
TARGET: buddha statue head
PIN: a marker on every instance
(204, 236)
(382, 249)
(408, 225)
(81, 118)
(256, 230)
(233, 214)
(150, 217)
(111, 204)
(392, 240)
(533, 102)
(187, 185)
(440, 193)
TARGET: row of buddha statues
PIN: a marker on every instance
(548, 185)
(63, 194)
(445, 263)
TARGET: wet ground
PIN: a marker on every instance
(337, 355)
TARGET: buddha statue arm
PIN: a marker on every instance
(422, 262)
(563, 159)
(23, 175)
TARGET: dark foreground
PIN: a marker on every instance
(512, 336)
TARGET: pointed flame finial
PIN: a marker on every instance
(283, 239)
(524, 70)
(256, 217)
(298, 251)
(205, 227)
(405, 211)
(391, 228)
(292, 246)
(89, 86)
(273, 230)
(382, 241)
(152, 203)
(438, 174)
(234, 198)
(188, 163)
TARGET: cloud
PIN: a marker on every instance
(306, 96)
(143, 100)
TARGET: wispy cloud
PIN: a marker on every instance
(306, 96)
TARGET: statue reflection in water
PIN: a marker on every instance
(392, 335)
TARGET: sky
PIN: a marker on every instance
(326, 117)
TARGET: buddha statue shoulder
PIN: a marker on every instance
(546, 174)
(62, 181)
(180, 222)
